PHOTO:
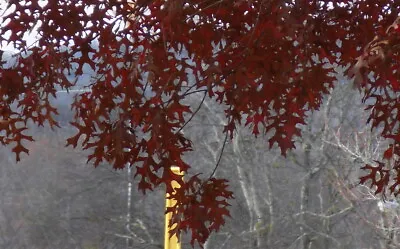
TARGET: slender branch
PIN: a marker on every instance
(220, 156)
(226, 240)
(194, 113)
(133, 237)
(297, 239)
(324, 216)
(195, 91)
(336, 241)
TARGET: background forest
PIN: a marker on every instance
(152, 63)
(309, 200)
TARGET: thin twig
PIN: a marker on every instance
(194, 113)
(220, 156)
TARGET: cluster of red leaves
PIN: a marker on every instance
(267, 61)
(381, 93)
(200, 208)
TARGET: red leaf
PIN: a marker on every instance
(378, 176)
(388, 154)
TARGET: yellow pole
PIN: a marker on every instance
(171, 243)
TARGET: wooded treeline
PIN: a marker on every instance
(309, 200)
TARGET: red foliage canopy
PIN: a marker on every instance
(268, 61)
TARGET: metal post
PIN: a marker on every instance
(171, 242)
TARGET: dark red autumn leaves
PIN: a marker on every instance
(267, 62)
